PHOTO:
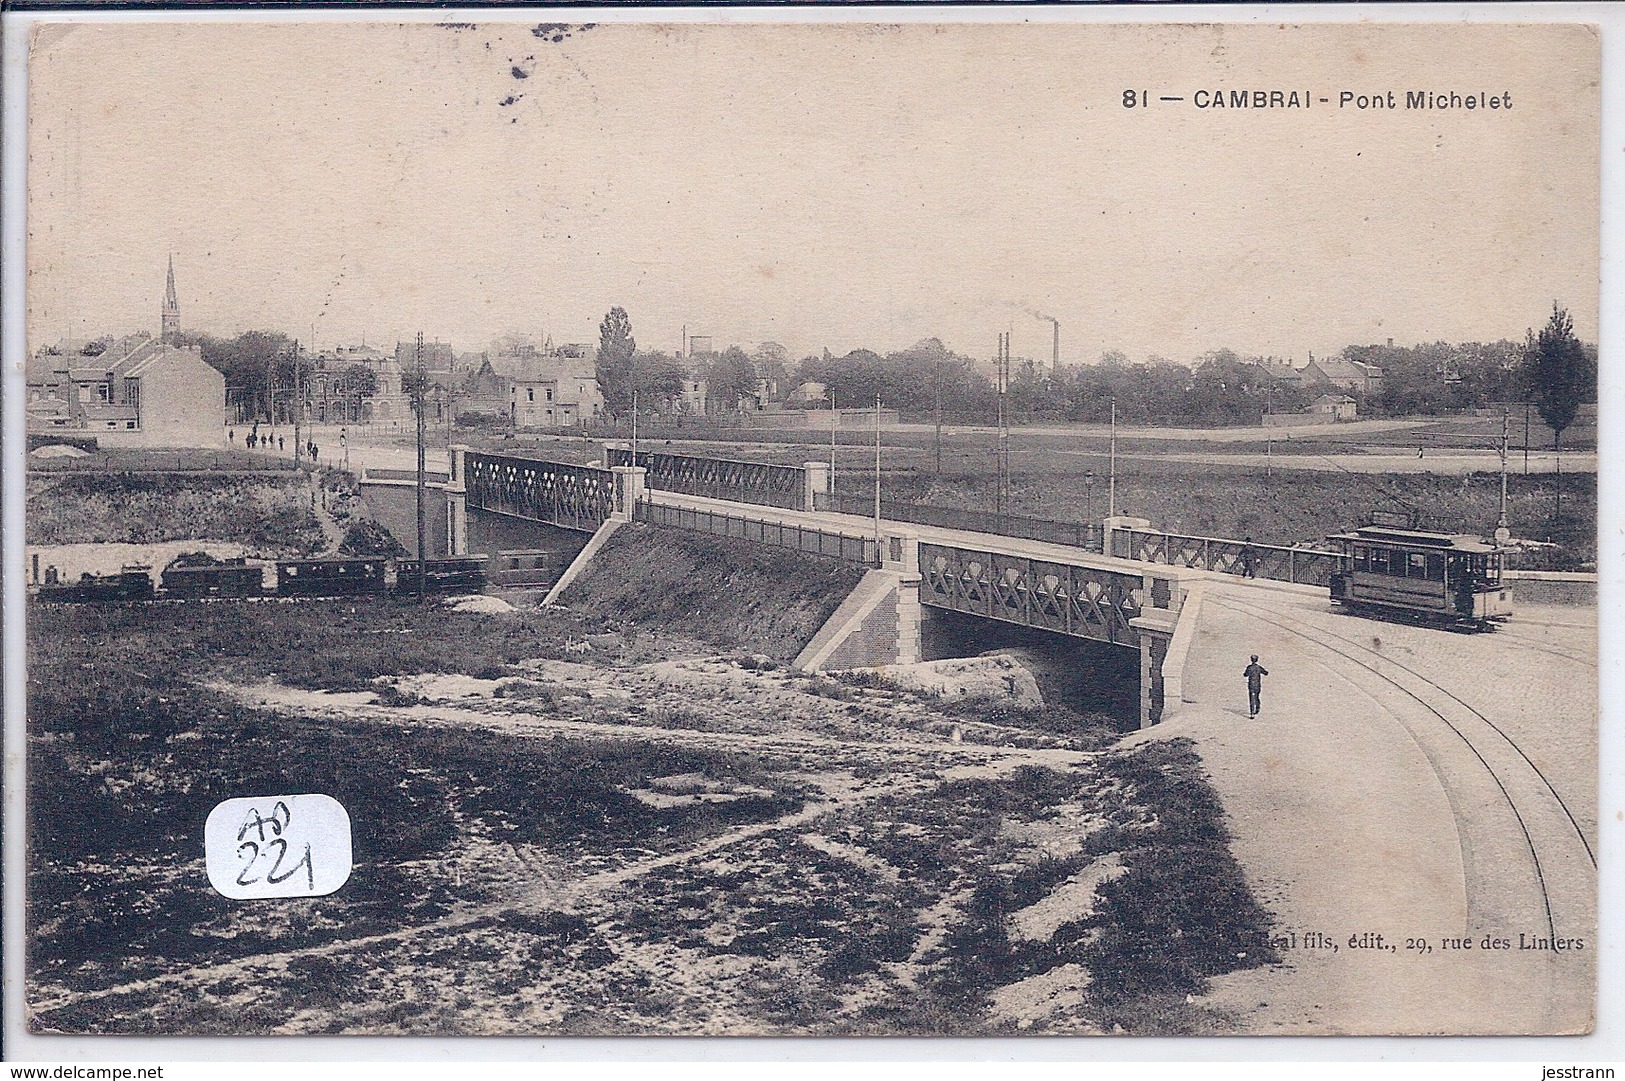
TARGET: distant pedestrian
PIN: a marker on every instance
(314, 451)
(1249, 560)
(1255, 674)
(1419, 454)
(281, 443)
(231, 436)
(251, 440)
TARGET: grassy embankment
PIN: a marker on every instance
(268, 514)
(742, 596)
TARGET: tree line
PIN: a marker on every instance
(1551, 369)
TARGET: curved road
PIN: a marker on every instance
(1409, 782)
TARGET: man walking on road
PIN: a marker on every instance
(1255, 674)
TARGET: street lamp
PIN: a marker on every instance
(1089, 496)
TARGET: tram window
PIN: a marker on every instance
(1435, 567)
(1362, 557)
(1492, 570)
(1396, 563)
(1416, 565)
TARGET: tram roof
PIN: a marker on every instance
(1417, 538)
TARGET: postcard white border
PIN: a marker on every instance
(1607, 1044)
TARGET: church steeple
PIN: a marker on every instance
(170, 326)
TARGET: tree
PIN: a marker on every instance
(616, 348)
(513, 343)
(1558, 372)
(660, 378)
(730, 377)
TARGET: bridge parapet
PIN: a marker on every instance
(1078, 599)
(789, 487)
(1311, 566)
(572, 496)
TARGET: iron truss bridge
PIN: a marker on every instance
(1085, 602)
(1305, 565)
(719, 478)
(572, 496)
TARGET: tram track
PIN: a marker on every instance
(1562, 872)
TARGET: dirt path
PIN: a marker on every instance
(551, 891)
(332, 535)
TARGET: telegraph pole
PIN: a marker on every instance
(834, 423)
(298, 409)
(270, 393)
(1111, 484)
(1269, 432)
(939, 415)
(1001, 374)
(1526, 439)
(1502, 533)
(420, 380)
(877, 476)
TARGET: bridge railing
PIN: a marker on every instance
(374, 475)
(719, 478)
(1075, 534)
(573, 496)
(1087, 602)
(1311, 566)
(853, 549)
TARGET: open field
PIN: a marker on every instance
(1226, 493)
(641, 838)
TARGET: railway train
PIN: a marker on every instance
(190, 579)
(1450, 577)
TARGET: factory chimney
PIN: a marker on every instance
(1055, 357)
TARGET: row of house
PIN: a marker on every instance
(138, 391)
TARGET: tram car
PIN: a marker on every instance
(1452, 577)
(329, 577)
(462, 574)
(133, 582)
(213, 578)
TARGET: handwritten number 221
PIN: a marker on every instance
(272, 876)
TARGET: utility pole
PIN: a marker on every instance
(421, 379)
(877, 476)
(298, 409)
(270, 393)
(940, 416)
(1502, 533)
(834, 423)
(1001, 371)
(1526, 439)
(1269, 432)
(1111, 483)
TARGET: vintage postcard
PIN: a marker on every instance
(833, 528)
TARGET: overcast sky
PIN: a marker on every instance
(821, 186)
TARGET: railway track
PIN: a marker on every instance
(1496, 789)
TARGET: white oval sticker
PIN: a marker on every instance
(277, 846)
